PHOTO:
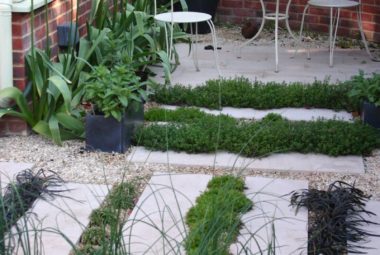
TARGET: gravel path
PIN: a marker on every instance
(75, 164)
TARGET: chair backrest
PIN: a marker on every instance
(155, 6)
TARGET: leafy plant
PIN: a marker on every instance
(241, 92)
(366, 89)
(214, 220)
(111, 91)
(338, 224)
(56, 89)
(192, 131)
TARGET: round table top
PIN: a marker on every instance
(183, 17)
(334, 3)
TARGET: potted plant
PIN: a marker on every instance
(116, 97)
(367, 92)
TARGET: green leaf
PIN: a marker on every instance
(18, 97)
(61, 85)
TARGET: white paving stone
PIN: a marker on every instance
(167, 198)
(161, 209)
(294, 114)
(373, 242)
(69, 215)
(278, 162)
(271, 210)
(9, 169)
(257, 63)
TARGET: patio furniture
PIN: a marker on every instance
(335, 6)
(276, 16)
(185, 17)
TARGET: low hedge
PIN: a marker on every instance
(197, 132)
(242, 93)
(214, 221)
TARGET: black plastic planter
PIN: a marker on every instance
(110, 135)
(371, 114)
(205, 6)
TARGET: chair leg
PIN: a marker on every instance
(360, 25)
(167, 49)
(258, 32)
(333, 33)
(287, 21)
(215, 45)
(276, 34)
(305, 10)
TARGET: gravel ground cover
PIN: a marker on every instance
(74, 164)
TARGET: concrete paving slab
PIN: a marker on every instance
(156, 225)
(65, 216)
(9, 169)
(295, 114)
(373, 242)
(279, 162)
(271, 214)
(257, 63)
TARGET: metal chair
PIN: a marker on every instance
(335, 6)
(185, 17)
(276, 16)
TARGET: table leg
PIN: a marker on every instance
(215, 45)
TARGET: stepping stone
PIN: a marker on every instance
(271, 210)
(373, 241)
(156, 225)
(295, 114)
(9, 169)
(68, 214)
(277, 162)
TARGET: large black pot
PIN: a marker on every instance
(370, 114)
(111, 135)
(205, 6)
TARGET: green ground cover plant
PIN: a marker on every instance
(192, 131)
(241, 92)
(214, 221)
(105, 232)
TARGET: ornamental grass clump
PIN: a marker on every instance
(339, 218)
(214, 221)
(17, 198)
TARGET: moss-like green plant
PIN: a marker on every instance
(241, 92)
(197, 132)
(214, 221)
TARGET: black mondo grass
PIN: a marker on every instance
(338, 218)
(20, 194)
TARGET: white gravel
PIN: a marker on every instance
(74, 164)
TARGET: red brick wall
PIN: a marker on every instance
(59, 13)
(237, 11)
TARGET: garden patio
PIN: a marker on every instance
(276, 140)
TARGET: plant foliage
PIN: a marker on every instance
(111, 91)
(366, 88)
(214, 221)
(339, 218)
(193, 131)
(240, 92)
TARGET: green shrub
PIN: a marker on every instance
(214, 221)
(366, 89)
(123, 195)
(270, 135)
(240, 92)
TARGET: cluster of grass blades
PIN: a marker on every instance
(338, 218)
(214, 221)
(17, 198)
